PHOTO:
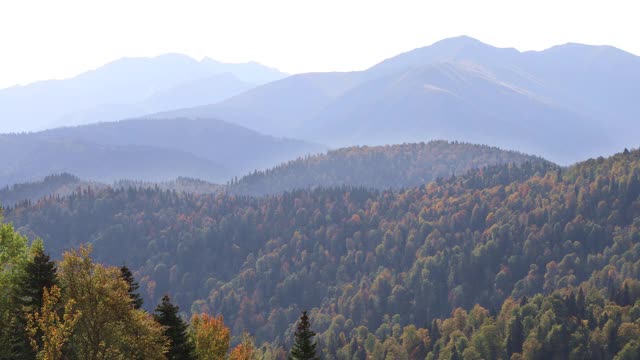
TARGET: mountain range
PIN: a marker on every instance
(377, 167)
(566, 103)
(148, 150)
(126, 88)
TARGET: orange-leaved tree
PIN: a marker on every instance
(210, 337)
(245, 350)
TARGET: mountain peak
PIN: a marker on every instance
(458, 48)
(571, 55)
(460, 40)
(251, 72)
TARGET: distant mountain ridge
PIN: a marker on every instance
(566, 103)
(66, 184)
(378, 167)
(124, 88)
(56, 184)
(145, 150)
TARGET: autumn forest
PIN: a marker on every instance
(511, 261)
(377, 192)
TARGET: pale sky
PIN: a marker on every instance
(48, 39)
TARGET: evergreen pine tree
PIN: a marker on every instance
(626, 295)
(40, 273)
(516, 336)
(455, 355)
(304, 348)
(570, 302)
(175, 330)
(581, 303)
(435, 331)
(136, 299)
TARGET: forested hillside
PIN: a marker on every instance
(236, 148)
(181, 184)
(145, 150)
(370, 263)
(377, 167)
(62, 184)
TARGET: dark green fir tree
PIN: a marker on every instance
(516, 336)
(136, 299)
(166, 314)
(304, 347)
(40, 273)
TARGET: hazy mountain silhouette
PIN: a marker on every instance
(250, 72)
(187, 94)
(150, 150)
(566, 103)
(281, 107)
(32, 159)
(125, 88)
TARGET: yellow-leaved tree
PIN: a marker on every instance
(110, 327)
(210, 336)
(56, 331)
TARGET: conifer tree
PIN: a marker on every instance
(304, 347)
(580, 302)
(455, 355)
(435, 331)
(175, 330)
(516, 336)
(136, 299)
(40, 274)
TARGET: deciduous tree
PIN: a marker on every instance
(49, 332)
(210, 336)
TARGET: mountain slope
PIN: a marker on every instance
(151, 150)
(237, 148)
(122, 83)
(60, 184)
(250, 72)
(566, 103)
(281, 107)
(367, 258)
(29, 158)
(186, 94)
(380, 167)
(66, 184)
(458, 101)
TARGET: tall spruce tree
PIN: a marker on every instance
(304, 347)
(136, 299)
(455, 355)
(516, 336)
(40, 274)
(166, 314)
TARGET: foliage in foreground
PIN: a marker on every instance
(80, 309)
